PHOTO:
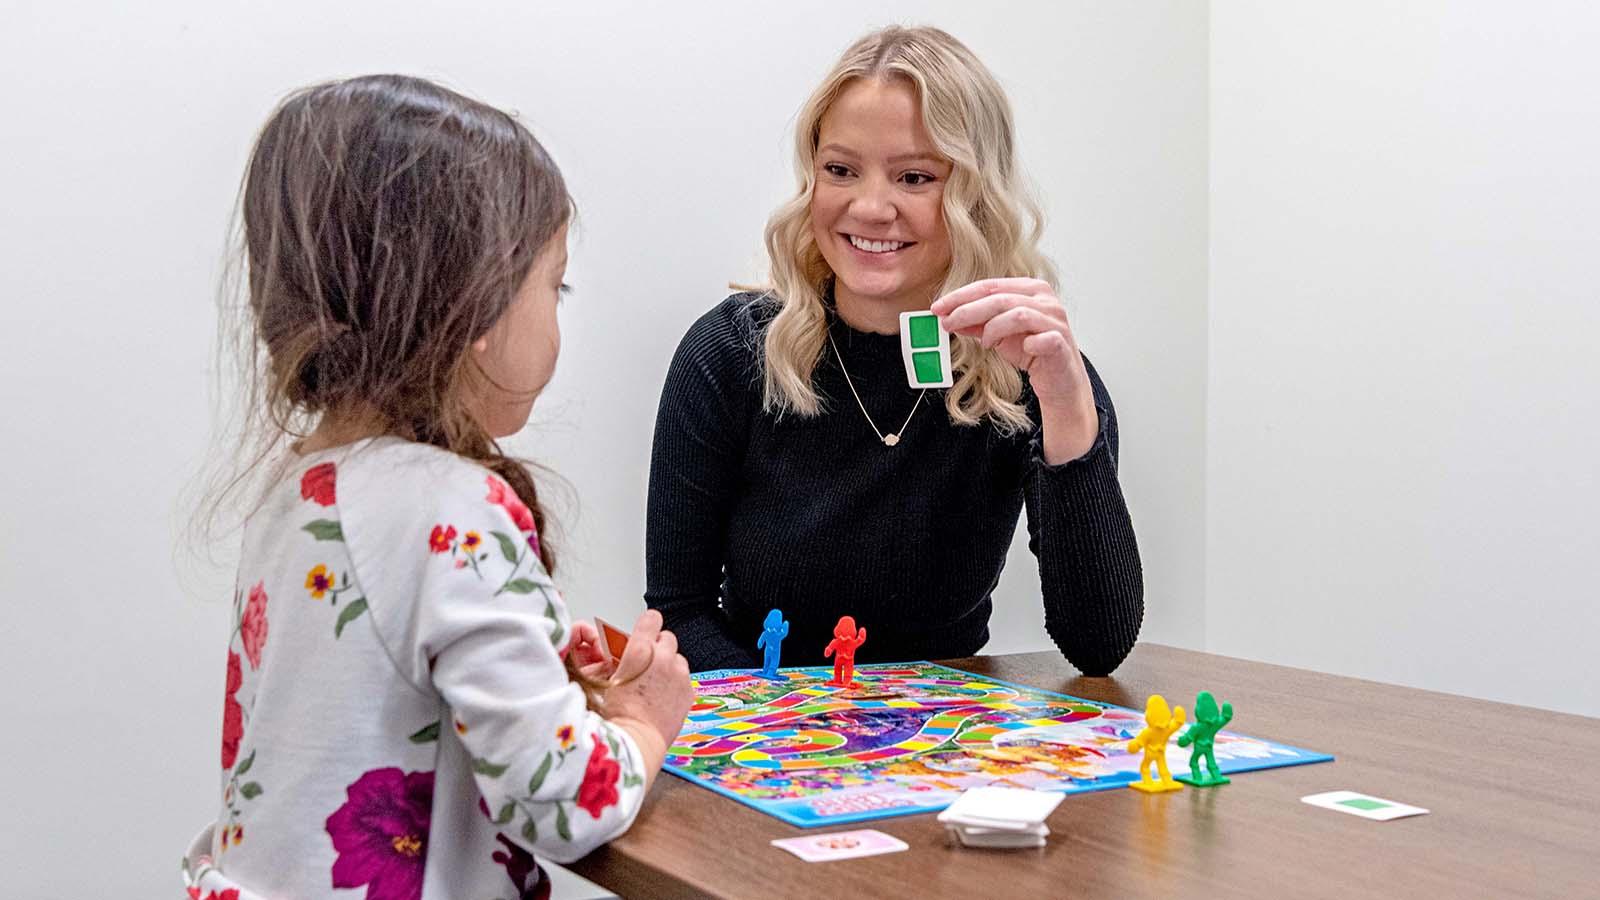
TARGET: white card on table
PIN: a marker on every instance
(1364, 805)
(841, 845)
(996, 838)
(1013, 809)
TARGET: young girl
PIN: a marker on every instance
(409, 710)
(794, 468)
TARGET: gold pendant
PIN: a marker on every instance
(889, 440)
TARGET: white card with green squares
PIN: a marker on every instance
(1363, 805)
(925, 348)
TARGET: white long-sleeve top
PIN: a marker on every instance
(397, 721)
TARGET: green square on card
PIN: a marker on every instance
(925, 331)
(927, 366)
(1363, 803)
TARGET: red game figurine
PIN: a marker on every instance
(845, 640)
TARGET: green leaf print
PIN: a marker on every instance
(324, 530)
(530, 831)
(351, 612)
(632, 780)
(521, 586)
(508, 547)
(562, 829)
(484, 767)
(506, 812)
(539, 774)
(425, 734)
(250, 790)
(550, 613)
(245, 766)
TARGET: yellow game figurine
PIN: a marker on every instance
(1160, 723)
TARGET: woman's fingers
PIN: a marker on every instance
(1020, 321)
(985, 287)
(971, 319)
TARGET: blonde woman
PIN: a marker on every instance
(794, 468)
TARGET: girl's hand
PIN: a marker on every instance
(651, 683)
(1024, 321)
(588, 654)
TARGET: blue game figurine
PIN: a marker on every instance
(773, 631)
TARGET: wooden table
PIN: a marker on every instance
(1514, 794)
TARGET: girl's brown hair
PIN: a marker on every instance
(387, 224)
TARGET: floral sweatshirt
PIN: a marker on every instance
(397, 721)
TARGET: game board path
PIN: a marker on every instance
(736, 732)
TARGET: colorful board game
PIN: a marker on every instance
(909, 738)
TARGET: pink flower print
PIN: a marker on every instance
(501, 495)
(381, 833)
(253, 627)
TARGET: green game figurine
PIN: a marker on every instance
(1203, 733)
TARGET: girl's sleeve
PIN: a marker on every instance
(467, 610)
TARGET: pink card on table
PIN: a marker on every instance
(841, 845)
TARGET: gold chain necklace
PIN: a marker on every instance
(889, 440)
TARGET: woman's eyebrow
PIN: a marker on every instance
(921, 157)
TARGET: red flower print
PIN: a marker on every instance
(442, 538)
(253, 627)
(317, 484)
(235, 674)
(229, 894)
(599, 788)
(381, 833)
(232, 713)
(319, 581)
(501, 495)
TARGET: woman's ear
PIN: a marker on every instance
(481, 344)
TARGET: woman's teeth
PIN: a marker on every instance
(875, 246)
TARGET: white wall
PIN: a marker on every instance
(1404, 399)
(125, 134)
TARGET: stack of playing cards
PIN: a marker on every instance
(1001, 817)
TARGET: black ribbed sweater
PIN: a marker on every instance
(815, 516)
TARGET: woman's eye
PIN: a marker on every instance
(916, 179)
(836, 170)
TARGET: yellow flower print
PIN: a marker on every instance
(319, 582)
(564, 735)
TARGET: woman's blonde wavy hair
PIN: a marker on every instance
(994, 224)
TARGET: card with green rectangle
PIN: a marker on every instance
(928, 366)
(925, 332)
(925, 349)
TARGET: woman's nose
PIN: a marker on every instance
(873, 203)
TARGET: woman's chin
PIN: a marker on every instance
(875, 290)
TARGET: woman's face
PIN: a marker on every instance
(876, 209)
(517, 355)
